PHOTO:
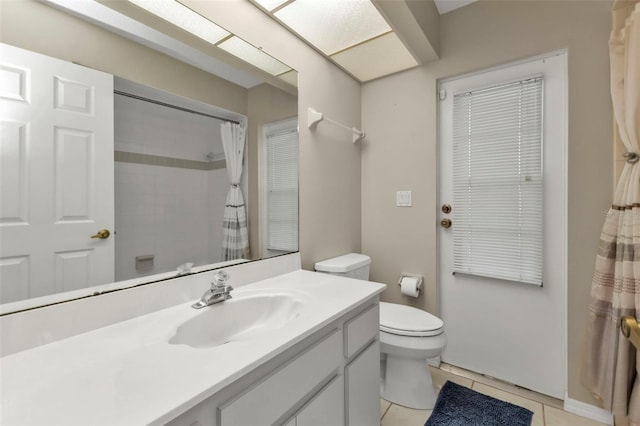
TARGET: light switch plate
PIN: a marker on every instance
(403, 199)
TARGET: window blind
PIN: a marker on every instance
(282, 190)
(497, 182)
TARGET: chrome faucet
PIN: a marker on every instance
(219, 292)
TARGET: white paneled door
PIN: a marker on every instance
(514, 331)
(56, 175)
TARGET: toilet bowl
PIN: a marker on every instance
(408, 337)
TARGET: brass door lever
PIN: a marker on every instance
(103, 234)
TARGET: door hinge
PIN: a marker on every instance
(442, 95)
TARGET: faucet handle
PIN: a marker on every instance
(220, 279)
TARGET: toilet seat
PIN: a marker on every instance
(408, 321)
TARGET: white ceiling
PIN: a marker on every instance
(366, 61)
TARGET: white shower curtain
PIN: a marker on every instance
(610, 362)
(235, 235)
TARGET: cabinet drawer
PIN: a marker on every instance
(361, 330)
(282, 390)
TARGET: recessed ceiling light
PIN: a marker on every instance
(334, 25)
(376, 58)
(187, 19)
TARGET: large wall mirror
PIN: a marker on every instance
(129, 147)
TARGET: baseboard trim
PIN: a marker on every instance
(587, 410)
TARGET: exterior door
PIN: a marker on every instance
(56, 182)
(510, 330)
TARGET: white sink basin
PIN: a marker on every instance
(247, 315)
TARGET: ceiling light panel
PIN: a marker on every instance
(182, 16)
(255, 57)
(376, 58)
(334, 25)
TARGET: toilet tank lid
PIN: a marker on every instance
(344, 263)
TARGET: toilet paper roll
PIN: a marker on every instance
(409, 286)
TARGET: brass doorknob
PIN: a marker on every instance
(445, 223)
(103, 234)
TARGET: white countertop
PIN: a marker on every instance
(129, 374)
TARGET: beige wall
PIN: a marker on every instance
(266, 104)
(400, 117)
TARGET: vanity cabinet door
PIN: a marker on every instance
(361, 330)
(326, 408)
(362, 384)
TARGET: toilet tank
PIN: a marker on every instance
(352, 265)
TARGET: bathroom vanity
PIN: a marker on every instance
(330, 378)
(296, 349)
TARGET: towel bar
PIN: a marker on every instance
(631, 330)
(314, 117)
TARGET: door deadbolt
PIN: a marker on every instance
(103, 234)
(446, 208)
(445, 223)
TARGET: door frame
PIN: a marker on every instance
(562, 217)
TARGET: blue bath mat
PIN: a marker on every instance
(460, 406)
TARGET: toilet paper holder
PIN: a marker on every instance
(409, 275)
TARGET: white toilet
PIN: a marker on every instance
(408, 337)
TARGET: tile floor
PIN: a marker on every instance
(547, 411)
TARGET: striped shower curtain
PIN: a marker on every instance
(235, 235)
(610, 363)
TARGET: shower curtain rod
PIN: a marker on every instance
(153, 101)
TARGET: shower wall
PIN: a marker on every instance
(169, 198)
